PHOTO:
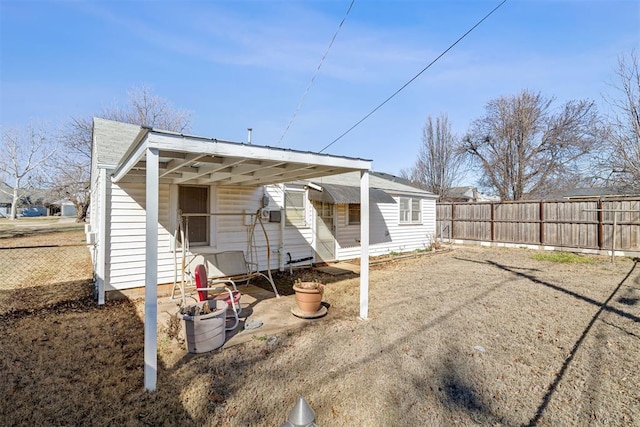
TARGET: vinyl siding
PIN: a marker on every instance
(125, 261)
(386, 234)
(127, 241)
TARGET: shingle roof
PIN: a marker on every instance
(381, 181)
(111, 139)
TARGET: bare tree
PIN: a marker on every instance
(24, 154)
(72, 179)
(620, 163)
(147, 109)
(524, 149)
(440, 160)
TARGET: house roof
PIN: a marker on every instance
(111, 140)
(5, 193)
(197, 160)
(597, 192)
(337, 194)
(377, 180)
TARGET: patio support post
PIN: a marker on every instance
(151, 272)
(364, 244)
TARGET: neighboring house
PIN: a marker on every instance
(598, 193)
(30, 202)
(61, 208)
(5, 200)
(468, 194)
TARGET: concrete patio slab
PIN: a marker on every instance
(258, 306)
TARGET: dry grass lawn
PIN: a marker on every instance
(473, 336)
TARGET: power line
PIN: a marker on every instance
(414, 77)
(304, 95)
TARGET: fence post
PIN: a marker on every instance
(493, 222)
(541, 217)
(600, 224)
(453, 216)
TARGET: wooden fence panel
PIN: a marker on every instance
(584, 224)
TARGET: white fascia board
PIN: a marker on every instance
(132, 159)
(411, 194)
(223, 149)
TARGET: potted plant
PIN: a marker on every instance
(204, 325)
(308, 295)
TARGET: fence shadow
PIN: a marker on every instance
(602, 308)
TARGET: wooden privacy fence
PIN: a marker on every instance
(572, 223)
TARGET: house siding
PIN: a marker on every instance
(384, 218)
(125, 260)
(126, 263)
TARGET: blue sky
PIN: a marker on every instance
(239, 64)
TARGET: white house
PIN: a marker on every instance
(313, 215)
(141, 178)
(314, 206)
(323, 217)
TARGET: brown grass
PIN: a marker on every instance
(474, 336)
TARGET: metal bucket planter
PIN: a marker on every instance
(204, 332)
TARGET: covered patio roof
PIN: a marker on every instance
(156, 157)
(195, 160)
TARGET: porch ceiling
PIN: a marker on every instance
(186, 159)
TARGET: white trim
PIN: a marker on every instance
(151, 272)
(364, 244)
(191, 144)
(101, 266)
(173, 216)
(411, 211)
(133, 158)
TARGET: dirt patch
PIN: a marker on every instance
(474, 336)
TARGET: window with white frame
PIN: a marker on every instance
(295, 207)
(353, 214)
(410, 210)
(195, 200)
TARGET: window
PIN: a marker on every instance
(354, 214)
(294, 208)
(410, 211)
(194, 200)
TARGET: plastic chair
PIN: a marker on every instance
(230, 297)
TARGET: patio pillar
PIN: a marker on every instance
(151, 273)
(364, 244)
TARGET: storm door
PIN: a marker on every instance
(325, 238)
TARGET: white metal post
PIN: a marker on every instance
(151, 273)
(364, 244)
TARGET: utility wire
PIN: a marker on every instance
(414, 77)
(304, 95)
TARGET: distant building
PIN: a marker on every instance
(5, 200)
(599, 193)
(468, 194)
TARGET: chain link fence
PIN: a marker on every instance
(44, 274)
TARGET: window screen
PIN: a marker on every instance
(354, 214)
(194, 200)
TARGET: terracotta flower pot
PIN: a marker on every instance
(308, 296)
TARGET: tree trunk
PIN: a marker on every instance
(14, 205)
